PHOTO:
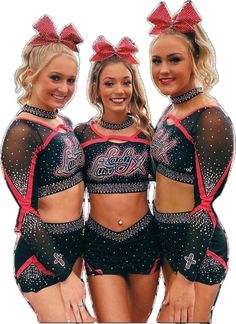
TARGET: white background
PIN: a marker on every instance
(114, 20)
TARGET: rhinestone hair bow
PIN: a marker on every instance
(47, 34)
(103, 50)
(183, 22)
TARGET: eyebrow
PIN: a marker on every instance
(112, 78)
(59, 73)
(172, 54)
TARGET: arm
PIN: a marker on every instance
(213, 141)
(20, 150)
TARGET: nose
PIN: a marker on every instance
(63, 87)
(164, 67)
(119, 88)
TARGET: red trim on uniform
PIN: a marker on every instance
(192, 112)
(25, 202)
(155, 266)
(218, 258)
(36, 262)
(104, 138)
(224, 175)
(181, 128)
(113, 136)
(42, 123)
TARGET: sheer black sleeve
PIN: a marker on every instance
(20, 150)
(213, 141)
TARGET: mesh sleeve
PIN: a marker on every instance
(20, 150)
(214, 144)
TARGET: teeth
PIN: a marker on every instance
(118, 100)
(59, 97)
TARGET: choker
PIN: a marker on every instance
(128, 122)
(186, 96)
(39, 112)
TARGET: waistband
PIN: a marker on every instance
(63, 228)
(171, 218)
(133, 230)
(110, 188)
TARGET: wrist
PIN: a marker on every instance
(181, 278)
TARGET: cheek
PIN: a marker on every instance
(155, 73)
(71, 89)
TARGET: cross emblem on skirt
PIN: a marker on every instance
(190, 260)
(58, 259)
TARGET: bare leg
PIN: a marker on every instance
(109, 294)
(142, 290)
(205, 296)
(48, 303)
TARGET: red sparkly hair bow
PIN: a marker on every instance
(69, 36)
(103, 50)
(183, 22)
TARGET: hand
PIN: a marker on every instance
(73, 294)
(181, 299)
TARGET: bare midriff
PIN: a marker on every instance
(173, 196)
(118, 211)
(62, 207)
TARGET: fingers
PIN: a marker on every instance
(180, 314)
(86, 317)
(76, 311)
(67, 312)
(184, 315)
(190, 314)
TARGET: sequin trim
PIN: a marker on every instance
(108, 188)
(123, 235)
(60, 186)
(171, 218)
(31, 275)
(63, 228)
(210, 266)
(174, 175)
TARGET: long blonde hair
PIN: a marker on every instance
(36, 58)
(138, 107)
(202, 54)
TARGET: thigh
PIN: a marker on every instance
(168, 276)
(206, 296)
(48, 303)
(109, 295)
(142, 291)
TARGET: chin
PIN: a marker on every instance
(166, 92)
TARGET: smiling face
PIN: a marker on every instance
(55, 84)
(172, 68)
(115, 90)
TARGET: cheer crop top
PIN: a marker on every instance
(197, 149)
(39, 161)
(114, 167)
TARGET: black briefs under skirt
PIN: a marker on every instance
(30, 274)
(172, 231)
(134, 250)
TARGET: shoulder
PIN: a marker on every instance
(81, 129)
(66, 120)
(24, 127)
(214, 116)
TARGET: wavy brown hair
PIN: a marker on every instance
(36, 58)
(137, 107)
